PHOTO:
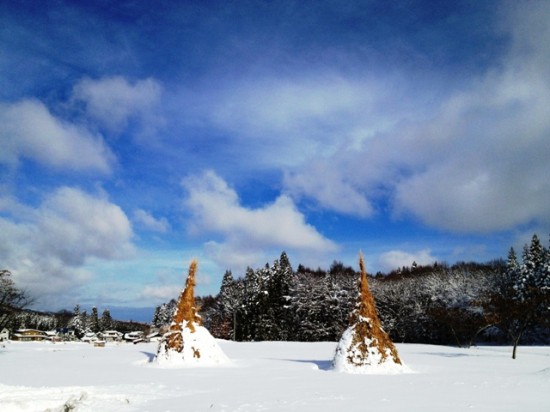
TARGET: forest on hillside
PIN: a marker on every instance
(499, 302)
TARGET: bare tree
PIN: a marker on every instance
(12, 300)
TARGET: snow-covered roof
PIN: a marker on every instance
(89, 336)
(30, 332)
(133, 335)
(111, 333)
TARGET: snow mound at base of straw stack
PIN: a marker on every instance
(357, 353)
(199, 348)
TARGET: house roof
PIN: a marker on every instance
(30, 331)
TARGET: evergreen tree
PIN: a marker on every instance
(545, 275)
(106, 322)
(163, 314)
(84, 321)
(530, 302)
(503, 304)
(169, 311)
(310, 306)
(512, 272)
(77, 323)
(280, 278)
(531, 273)
(229, 303)
(94, 321)
(156, 315)
(247, 318)
(539, 256)
(263, 318)
(63, 317)
(227, 297)
(525, 275)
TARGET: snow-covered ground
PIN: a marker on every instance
(269, 376)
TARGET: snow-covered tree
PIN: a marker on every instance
(532, 273)
(525, 302)
(252, 308)
(310, 306)
(78, 322)
(279, 285)
(163, 314)
(263, 314)
(511, 274)
(404, 305)
(545, 275)
(321, 303)
(430, 304)
(457, 301)
(229, 299)
(155, 321)
(227, 295)
(263, 310)
(36, 320)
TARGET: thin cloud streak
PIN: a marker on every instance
(30, 131)
(112, 102)
(150, 222)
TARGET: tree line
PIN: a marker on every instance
(14, 314)
(498, 302)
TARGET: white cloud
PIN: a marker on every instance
(113, 101)
(161, 293)
(232, 255)
(478, 164)
(330, 188)
(46, 247)
(491, 173)
(215, 208)
(479, 198)
(395, 259)
(77, 225)
(288, 120)
(283, 104)
(146, 219)
(30, 131)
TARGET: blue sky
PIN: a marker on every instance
(137, 136)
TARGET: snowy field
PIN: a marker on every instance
(269, 376)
